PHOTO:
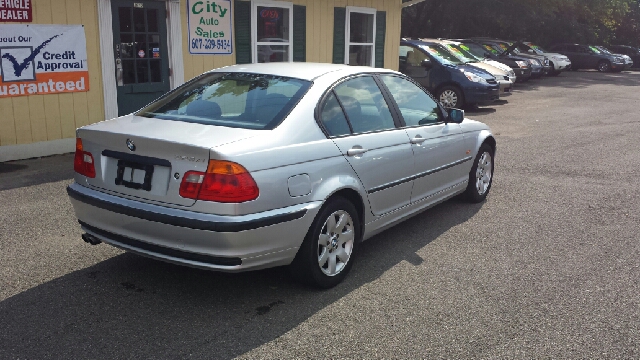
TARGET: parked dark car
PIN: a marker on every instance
(520, 66)
(519, 49)
(628, 62)
(589, 57)
(632, 52)
(537, 68)
(454, 83)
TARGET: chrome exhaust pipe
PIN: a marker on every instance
(90, 239)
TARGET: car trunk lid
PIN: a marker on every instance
(145, 158)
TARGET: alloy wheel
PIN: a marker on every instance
(449, 98)
(484, 173)
(603, 66)
(335, 243)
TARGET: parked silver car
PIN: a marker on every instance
(254, 166)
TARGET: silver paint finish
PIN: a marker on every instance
(274, 157)
(443, 145)
(388, 158)
(248, 245)
(299, 185)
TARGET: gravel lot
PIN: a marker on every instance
(548, 266)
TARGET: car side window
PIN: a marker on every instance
(333, 118)
(416, 106)
(364, 105)
(415, 57)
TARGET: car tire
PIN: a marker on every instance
(604, 66)
(553, 71)
(450, 97)
(481, 175)
(327, 252)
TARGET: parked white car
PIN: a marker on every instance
(558, 62)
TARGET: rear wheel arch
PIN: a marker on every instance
(354, 197)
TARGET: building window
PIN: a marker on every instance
(360, 36)
(271, 35)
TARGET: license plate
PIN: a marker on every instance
(133, 175)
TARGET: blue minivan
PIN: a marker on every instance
(452, 82)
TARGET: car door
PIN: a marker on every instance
(411, 59)
(440, 155)
(357, 117)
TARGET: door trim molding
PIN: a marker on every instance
(105, 28)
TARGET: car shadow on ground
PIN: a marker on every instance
(130, 306)
(17, 174)
(579, 79)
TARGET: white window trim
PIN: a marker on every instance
(254, 27)
(347, 33)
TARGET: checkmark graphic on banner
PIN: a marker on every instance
(19, 68)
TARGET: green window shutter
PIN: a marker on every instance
(299, 33)
(242, 19)
(381, 28)
(339, 22)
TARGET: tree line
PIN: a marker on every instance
(546, 22)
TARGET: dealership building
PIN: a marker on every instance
(70, 63)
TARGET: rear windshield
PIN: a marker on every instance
(243, 100)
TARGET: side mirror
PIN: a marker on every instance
(426, 63)
(487, 55)
(455, 115)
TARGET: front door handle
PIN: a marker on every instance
(356, 151)
(418, 140)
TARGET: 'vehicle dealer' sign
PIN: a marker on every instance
(42, 59)
(16, 11)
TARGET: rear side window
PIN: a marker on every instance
(364, 105)
(333, 118)
(244, 100)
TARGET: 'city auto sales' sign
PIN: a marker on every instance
(16, 11)
(42, 59)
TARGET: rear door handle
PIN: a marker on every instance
(418, 140)
(356, 151)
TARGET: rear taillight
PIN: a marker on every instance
(224, 181)
(83, 161)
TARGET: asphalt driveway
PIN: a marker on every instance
(548, 266)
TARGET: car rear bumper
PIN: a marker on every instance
(226, 243)
(505, 88)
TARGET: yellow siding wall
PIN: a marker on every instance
(319, 34)
(29, 119)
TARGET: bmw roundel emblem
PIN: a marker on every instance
(131, 145)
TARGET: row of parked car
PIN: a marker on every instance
(476, 71)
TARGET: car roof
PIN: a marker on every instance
(301, 70)
(419, 42)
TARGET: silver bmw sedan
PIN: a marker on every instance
(254, 166)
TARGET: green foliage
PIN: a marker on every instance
(541, 21)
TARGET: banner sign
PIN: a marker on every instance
(16, 11)
(209, 26)
(42, 59)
